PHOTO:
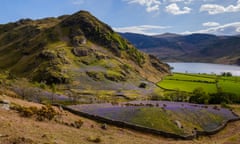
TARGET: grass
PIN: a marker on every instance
(230, 86)
(156, 118)
(186, 86)
(189, 82)
(186, 77)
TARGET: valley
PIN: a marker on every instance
(51, 68)
(206, 48)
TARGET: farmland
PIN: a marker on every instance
(209, 83)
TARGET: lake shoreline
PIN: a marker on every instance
(204, 68)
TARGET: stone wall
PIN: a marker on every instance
(148, 130)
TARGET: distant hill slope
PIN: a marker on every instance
(187, 48)
(77, 50)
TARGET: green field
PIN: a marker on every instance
(210, 83)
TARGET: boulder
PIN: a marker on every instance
(178, 123)
(5, 104)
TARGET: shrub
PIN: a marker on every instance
(155, 97)
(78, 124)
(224, 97)
(199, 96)
(224, 105)
(30, 111)
(46, 112)
(227, 74)
(25, 111)
(142, 85)
(94, 139)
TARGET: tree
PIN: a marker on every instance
(227, 74)
(199, 96)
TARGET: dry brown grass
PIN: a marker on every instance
(14, 128)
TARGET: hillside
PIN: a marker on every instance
(77, 51)
(189, 48)
(60, 131)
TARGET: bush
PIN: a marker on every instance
(199, 96)
(78, 124)
(94, 139)
(25, 111)
(227, 74)
(224, 97)
(46, 112)
(142, 85)
(224, 105)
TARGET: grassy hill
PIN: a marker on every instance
(78, 51)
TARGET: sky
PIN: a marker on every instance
(149, 17)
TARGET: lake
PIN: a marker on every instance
(207, 68)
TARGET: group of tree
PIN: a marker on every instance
(201, 97)
(227, 74)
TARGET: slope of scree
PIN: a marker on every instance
(74, 49)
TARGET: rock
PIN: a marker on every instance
(79, 40)
(60, 108)
(5, 104)
(1, 135)
(6, 107)
(81, 51)
(104, 126)
(48, 55)
(178, 123)
(44, 136)
(78, 124)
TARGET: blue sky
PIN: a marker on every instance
(221, 17)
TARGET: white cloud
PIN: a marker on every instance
(175, 10)
(227, 29)
(210, 24)
(151, 5)
(217, 9)
(175, 1)
(142, 29)
(153, 8)
(238, 29)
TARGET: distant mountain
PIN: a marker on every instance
(189, 48)
(77, 50)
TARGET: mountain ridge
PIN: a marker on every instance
(189, 48)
